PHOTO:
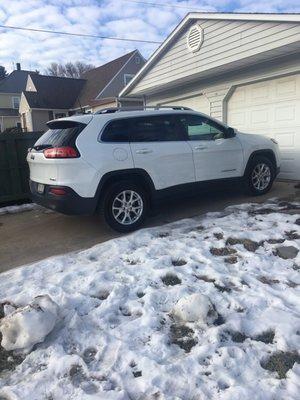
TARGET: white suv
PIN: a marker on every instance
(121, 162)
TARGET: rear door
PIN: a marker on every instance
(215, 155)
(158, 146)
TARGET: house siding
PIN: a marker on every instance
(219, 89)
(39, 119)
(8, 122)
(225, 42)
(117, 84)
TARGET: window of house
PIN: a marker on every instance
(127, 78)
(201, 128)
(158, 128)
(16, 102)
(60, 115)
(137, 60)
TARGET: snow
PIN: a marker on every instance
(17, 209)
(26, 326)
(117, 338)
(192, 308)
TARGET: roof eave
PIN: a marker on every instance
(206, 15)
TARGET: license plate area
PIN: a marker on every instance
(40, 188)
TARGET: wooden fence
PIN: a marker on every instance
(14, 172)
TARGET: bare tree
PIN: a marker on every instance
(69, 70)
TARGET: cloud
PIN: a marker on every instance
(118, 18)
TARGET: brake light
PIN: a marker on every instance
(61, 152)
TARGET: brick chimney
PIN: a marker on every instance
(18, 65)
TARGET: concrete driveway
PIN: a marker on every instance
(33, 235)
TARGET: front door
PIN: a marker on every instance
(215, 155)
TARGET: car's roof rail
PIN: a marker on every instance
(140, 108)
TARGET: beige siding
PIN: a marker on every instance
(6, 100)
(30, 85)
(39, 119)
(219, 89)
(225, 42)
(8, 122)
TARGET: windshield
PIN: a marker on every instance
(61, 133)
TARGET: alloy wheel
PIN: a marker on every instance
(261, 176)
(127, 207)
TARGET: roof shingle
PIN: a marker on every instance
(54, 92)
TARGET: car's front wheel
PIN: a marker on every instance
(125, 206)
(260, 176)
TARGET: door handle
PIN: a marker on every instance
(200, 147)
(144, 151)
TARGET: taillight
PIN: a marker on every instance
(58, 191)
(61, 152)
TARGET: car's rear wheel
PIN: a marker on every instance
(260, 175)
(125, 206)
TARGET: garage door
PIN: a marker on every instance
(197, 103)
(271, 108)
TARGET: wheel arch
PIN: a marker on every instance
(138, 176)
(268, 153)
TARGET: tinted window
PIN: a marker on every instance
(61, 133)
(116, 131)
(200, 128)
(158, 128)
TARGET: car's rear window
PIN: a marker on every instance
(60, 133)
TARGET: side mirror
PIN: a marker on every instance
(231, 132)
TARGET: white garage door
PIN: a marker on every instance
(271, 108)
(197, 103)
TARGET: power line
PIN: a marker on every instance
(78, 34)
(162, 5)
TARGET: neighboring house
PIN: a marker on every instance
(11, 88)
(104, 83)
(46, 98)
(243, 69)
(50, 97)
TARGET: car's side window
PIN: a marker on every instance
(197, 127)
(155, 128)
(116, 131)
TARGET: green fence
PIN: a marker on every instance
(14, 171)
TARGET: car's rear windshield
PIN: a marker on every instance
(60, 133)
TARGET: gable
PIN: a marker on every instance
(118, 82)
(227, 44)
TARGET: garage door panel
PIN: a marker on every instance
(271, 108)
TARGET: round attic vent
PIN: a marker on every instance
(195, 38)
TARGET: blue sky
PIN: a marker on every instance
(121, 18)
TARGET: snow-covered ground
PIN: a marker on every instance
(117, 335)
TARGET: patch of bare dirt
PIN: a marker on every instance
(268, 281)
(222, 251)
(248, 244)
(182, 336)
(171, 280)
(281, 362)
(179, 262)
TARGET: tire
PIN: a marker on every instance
(260, 176)
(118, 213)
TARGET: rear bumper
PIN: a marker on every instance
(70, 203)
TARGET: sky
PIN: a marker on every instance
(119, 18)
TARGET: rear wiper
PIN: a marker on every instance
(42, 146)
